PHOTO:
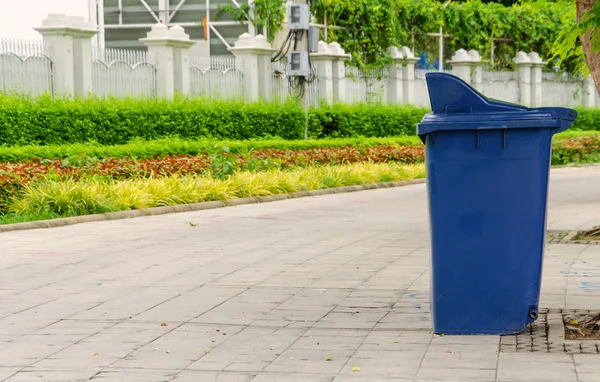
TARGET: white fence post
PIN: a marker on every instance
(163, 43)
(477, 70)
(589, 92)
(395, 77)
(338, 70)
(324, 60)
(255, 53)
(408, 75)
(536, 79)
(181, 59)
(461, 65)
(523, 66)
(265, 67)
(69, 38)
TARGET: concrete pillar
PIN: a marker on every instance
(395, 85)
(537, 93)
(523, 67)
(181, 59)
(462, 65)
(255, 54)
(589, 92)
(338, 70)
(323, 59)
(169, 50)
(69, 38)
(408, 75)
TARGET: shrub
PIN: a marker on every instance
(48, 121)
(367, 120)
(117, 121)
(97, 195)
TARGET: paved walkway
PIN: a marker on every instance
(333, 288)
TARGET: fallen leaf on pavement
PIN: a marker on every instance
(355, 368)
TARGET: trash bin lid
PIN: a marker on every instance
(457, 106)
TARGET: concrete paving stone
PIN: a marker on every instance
(154, 375)
(189, 305)
(195, 376)
(586, 363)
(249, 350)
(128, 305)
(29, 349)
(465, 340)
(6, 372)
(366, 378)
(326, 340)
(313, 361)
(384, 363)
(452, 359)
(290, 273)
(236, 313)
(588, 377)
(540, 370)
(178, 348)
(471, 374)
(483, 349)
(53, 376)
(291, 377)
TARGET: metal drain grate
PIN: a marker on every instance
(547, 335)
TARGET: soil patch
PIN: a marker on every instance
(584, 326)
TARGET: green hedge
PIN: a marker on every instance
(118, 121)
(48, 121)
(173, 146)
(365, 120)
(588, 119)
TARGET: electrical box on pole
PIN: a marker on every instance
(298, 17)
(298, 64)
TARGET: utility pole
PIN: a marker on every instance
(303, 47)
(298, 66)
(440, 36)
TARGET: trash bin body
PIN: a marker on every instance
(488, 165)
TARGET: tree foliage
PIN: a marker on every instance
(370, 27)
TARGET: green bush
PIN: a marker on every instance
(367, 120)
(47, 121)
(173, 146)
(588, 119)
(118, 121)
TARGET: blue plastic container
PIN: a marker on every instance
(488, 164)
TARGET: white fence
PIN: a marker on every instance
(217, 77)
(25, 67)
(366, 86)
(123, 73)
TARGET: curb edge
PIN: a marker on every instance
(120, 215)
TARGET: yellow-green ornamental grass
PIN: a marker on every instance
(95, 195)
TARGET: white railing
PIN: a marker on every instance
(420, 73)
(365, 86)
(216, 77)
(281, 82)
(490, 77)
(123, 73)
(561, 77)
(25, 67)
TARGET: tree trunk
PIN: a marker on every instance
(592, 58)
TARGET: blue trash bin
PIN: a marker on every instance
(488, 164)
